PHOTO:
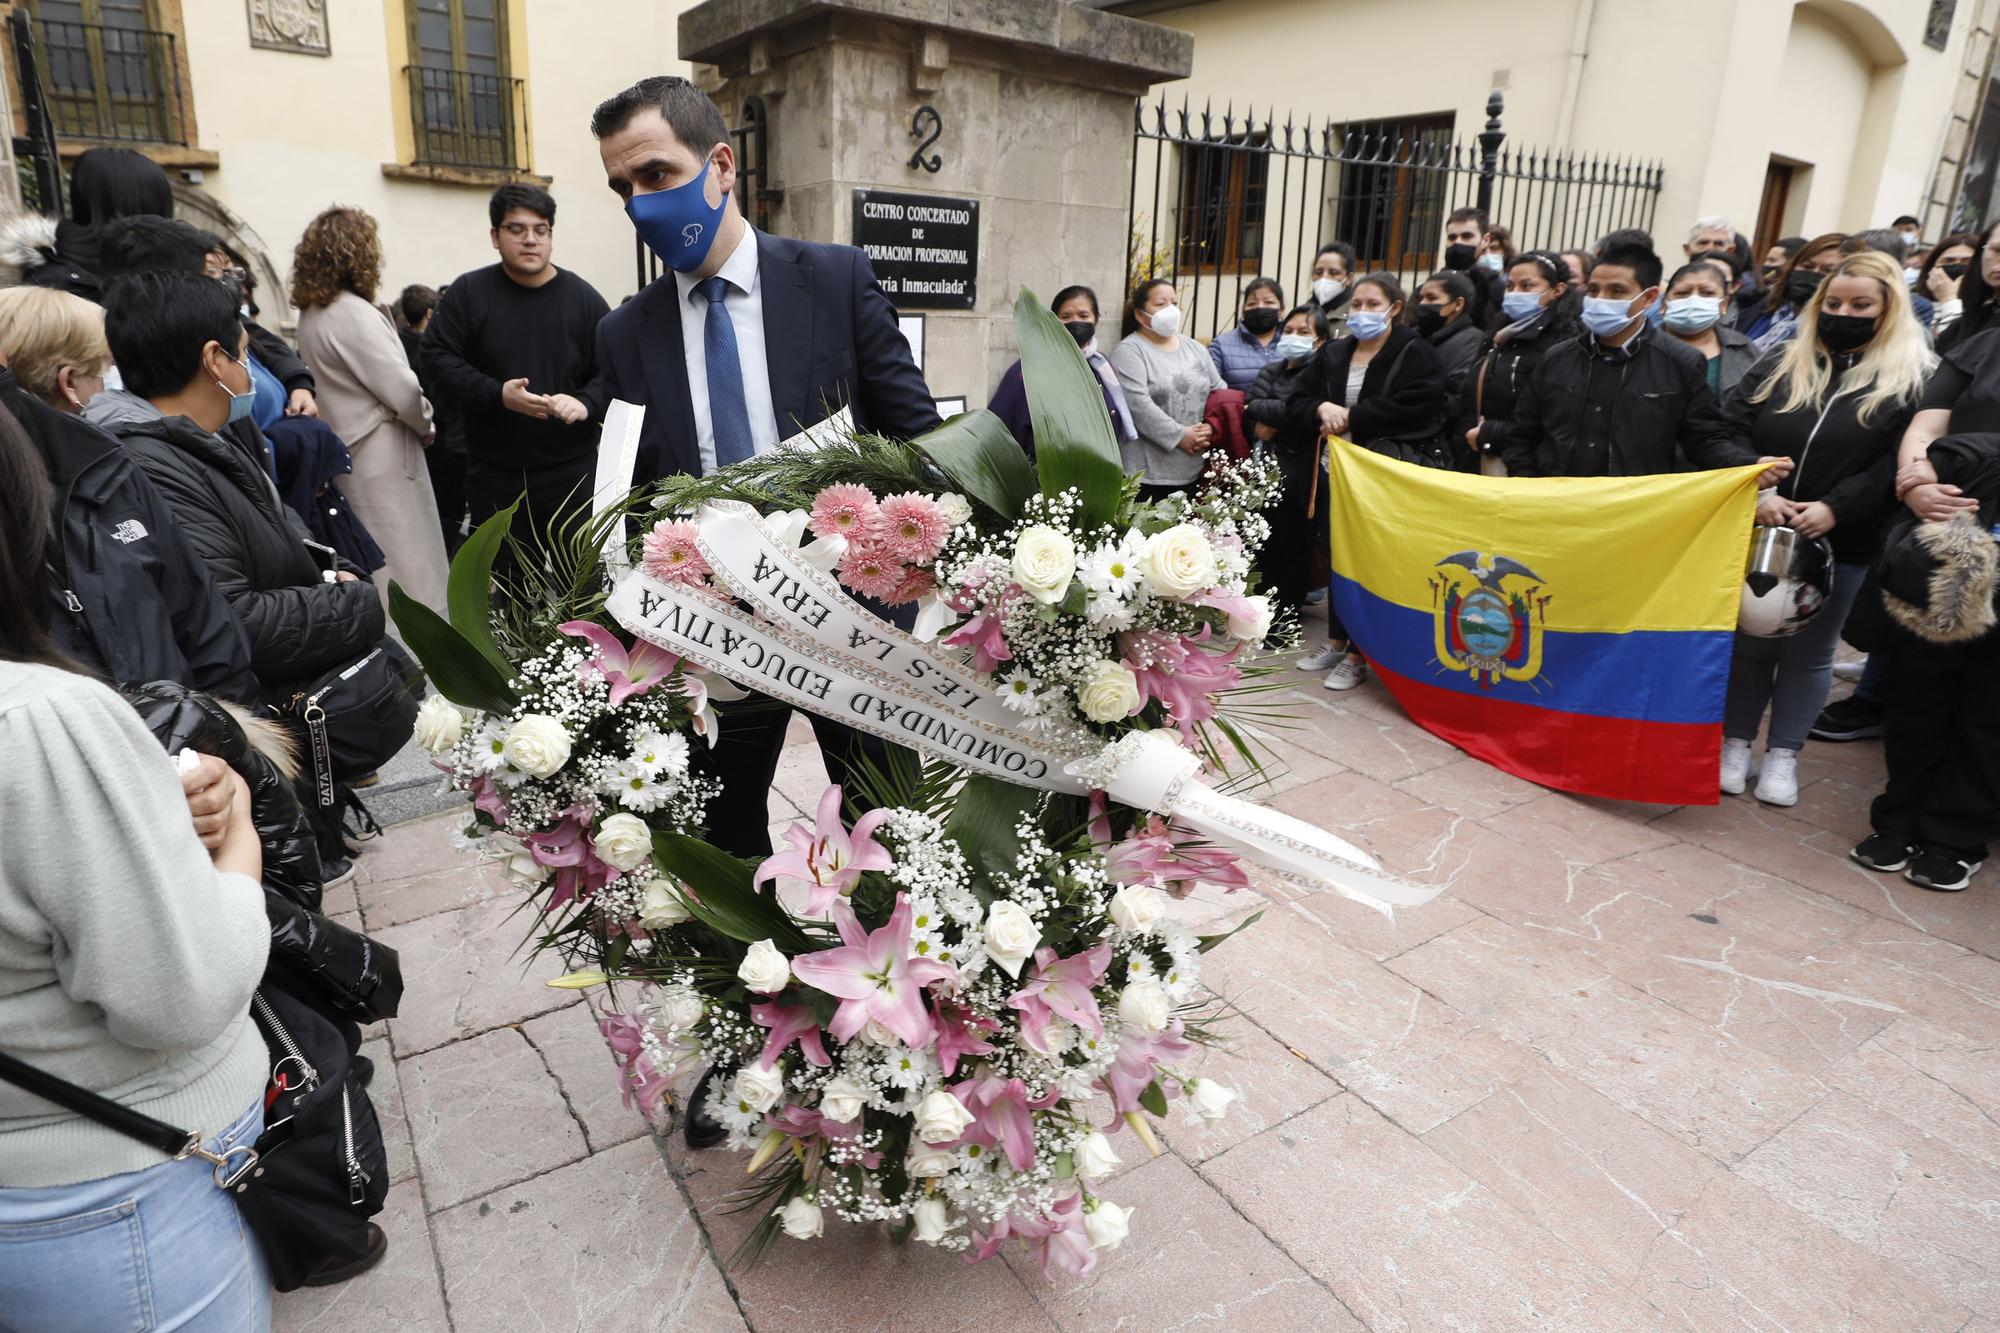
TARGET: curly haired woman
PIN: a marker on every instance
(370, 396)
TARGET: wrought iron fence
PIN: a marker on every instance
(110, 84)
(1217, 199)
(464, 119)
(755, 195)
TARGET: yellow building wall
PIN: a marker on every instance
(295, 133)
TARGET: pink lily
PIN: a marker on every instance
(1002, 1115)
(789, 1023)
(874, 976)
(487, 797)
(983, 634)
(1060, 988)
(1057, 1236)
(1181, 675)
(566, 849)
(1140, 1056)
(628, 671)
(829, 860)
(1158, 854)
(702, 694)
(958, 1036)
(1221, 599)
(644, 1084)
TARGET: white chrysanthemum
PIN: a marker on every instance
(1017, 691)
(658, 753)
(1112, 570)
(635, 787)
(487, 752)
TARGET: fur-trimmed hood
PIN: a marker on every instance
(27, 241)
(1939, 580)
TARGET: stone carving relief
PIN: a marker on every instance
(290, 25)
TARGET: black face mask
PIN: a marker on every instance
(1460, 257)
(1430, 318)
(1955, 270)
(1841, 334)
(1799, 288)
(1083, 330)
(1770, 275)
(1261, 320)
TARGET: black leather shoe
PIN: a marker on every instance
(340, 1270)
(701, 1129)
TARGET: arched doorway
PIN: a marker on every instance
(204, 210)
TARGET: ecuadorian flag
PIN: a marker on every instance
(1573, 631)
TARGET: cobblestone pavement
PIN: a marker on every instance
(1640, 1068)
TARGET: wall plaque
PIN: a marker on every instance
(925, 248)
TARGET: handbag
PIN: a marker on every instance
(316, 1174)
(357, 717)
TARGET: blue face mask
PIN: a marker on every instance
(679, 225)
(1295, 346)
(240, 403)
(1692, 314)
(1367, 324)
(1517, 306)
(1605, 315)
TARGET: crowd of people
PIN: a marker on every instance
(206, 518)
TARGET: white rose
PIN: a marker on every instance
(1178, 562)
(662, 906)
(757, 1087)
(764, 969)
(1094, 1157)
(1044, 561)
(875, 1034)
(1010, 936)
(842, 1099)
(681, 1008)
(927, 1163)
(955, 508)
(941, 1118)
(802, 1219)
(1143, 1005)
(1253, 627)
(439, 724)
(1106, 1225)
(537, 745)
(1208, 1098)
(1109, 692)
(523, 869)
(933, 1221)
(1136, 907)
(623, 841)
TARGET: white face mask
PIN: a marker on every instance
(1491, 261)
(1166, 320)
(1326, 289)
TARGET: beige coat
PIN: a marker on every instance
(370, 396)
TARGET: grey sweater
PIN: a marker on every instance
(1167, 392)
(126, 960)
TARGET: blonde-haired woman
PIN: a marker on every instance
(370, 397)
(55, 345)
(1836, 400)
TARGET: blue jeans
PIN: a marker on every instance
(162, 1248)
(1792, 676)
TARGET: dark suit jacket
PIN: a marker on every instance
(830, 338)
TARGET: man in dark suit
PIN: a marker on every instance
(746, 341)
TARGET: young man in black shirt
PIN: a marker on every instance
(513, 348)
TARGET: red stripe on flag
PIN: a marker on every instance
(1623, 759)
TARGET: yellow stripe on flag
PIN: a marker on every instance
(1627, 553)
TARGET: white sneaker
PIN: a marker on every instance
(1779, 784)
(1322, 658)
(1738, 763)
(1849, 670)
(1351, 672)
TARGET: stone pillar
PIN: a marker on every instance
(1033, 125)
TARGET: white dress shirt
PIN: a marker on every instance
(744, 302)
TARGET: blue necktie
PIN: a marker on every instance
(727, 414)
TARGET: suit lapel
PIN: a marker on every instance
(786, 285)
(663, 361)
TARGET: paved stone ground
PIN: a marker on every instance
(1641, 1068)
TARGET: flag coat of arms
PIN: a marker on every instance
(1573, 631)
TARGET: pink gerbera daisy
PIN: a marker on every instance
(868, 570)
(672, 553)
(914, 585)
(846, 510)
(912, 527)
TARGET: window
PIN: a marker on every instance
(1222, 201)
(111, 71)
(467, 111)
(1937, 24)
(1393, 190)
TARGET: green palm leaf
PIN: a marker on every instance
(984, 460)
(1073, 441)
(460, 671)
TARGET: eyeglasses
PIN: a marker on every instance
(234, 273)
(521, 231)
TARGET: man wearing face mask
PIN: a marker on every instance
(1466, 233)
(1621, 399)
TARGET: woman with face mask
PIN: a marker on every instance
(1496, 256)
(1446, 316)
(1076, 307)
(1836, 400)
(1776, 319)
(1333, 273)
(1540, 309)
(1282, 424)
(1944, 278)
(1167, 377)
(1693, 311)
(1382, 387)
(1242, 352)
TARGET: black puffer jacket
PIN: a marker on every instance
(1400, 409)
(299, 626)
(1496, 383)
(1276, 399)
(340, 970)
